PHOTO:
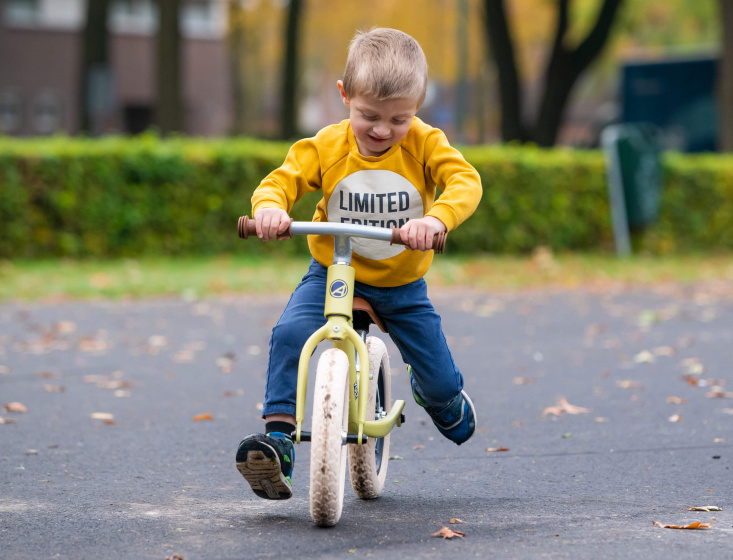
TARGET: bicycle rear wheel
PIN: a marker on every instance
(330, 422)
(368, 462)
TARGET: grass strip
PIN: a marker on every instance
(198, 277)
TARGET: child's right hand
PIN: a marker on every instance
(272, 223)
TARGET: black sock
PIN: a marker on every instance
(283, 427)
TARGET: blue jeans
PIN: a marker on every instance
(411, 321)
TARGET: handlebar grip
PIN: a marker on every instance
(438, 240)
(246, 227)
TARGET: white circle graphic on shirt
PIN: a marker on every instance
(375, 197)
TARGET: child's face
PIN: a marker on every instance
(378, 125)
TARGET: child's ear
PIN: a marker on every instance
(342, 91)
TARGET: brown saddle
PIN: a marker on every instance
(364, 306)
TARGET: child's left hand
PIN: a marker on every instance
(419, 234)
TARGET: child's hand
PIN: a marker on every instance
(272, 223)
(419, 234)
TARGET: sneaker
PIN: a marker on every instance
(456, 420)
(266, 462)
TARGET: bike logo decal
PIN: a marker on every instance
(338, 289)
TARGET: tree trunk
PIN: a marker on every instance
(169, 104)
(94, 66)
(289, 112)
(565, 67)
(563, 70)
(501, 50)
(725, 93)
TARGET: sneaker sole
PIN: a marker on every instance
(262, 471)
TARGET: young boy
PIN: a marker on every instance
(380, 167)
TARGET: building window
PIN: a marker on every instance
(10, 112)
(46, 113)
(134, 16)
(22, 12)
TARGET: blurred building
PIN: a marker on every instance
(40, 61)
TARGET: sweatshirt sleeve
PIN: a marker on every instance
(298, 175)
(459, 182)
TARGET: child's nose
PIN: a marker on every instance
(381, 130)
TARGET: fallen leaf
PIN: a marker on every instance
(628, 384)
(705, 508)
(102, 416)
(174, 557)
(8, 420)
(421, 446)
(200, 417)
(123, 393)
(719, 395)
(564, 406)
(523, 380)
(447, 533)
(455, 520)
(116, 384)
(675, 418)
(601, 419)
(676, 400)
(184, 357)
(719, 440)
(695, 525)
(54, 388)
(15, 407)
(496, 449)
(644, 357)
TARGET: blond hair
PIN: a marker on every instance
(387, 64)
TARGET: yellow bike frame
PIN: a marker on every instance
(339, 330)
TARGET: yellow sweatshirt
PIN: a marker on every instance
(384, 191)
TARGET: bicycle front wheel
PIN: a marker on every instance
(329, 424)
(368, 462)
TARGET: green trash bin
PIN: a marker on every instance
(633, 166)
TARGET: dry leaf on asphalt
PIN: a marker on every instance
(54, 388)
(705, 508)
(420, 446)
(676, 400)
(564, 407)
(719, 395)
(695, 525)
(496, 449)
(455, 520)
(523, 380)
(447, 533)
(15, 407)
(675, 418)
(200, 417)
(628, 384)
(8, 420)
(102, 416)
(174, 557)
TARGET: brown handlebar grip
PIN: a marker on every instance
(438, 240)
(246, 227)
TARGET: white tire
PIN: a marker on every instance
(328, 454)
(368, 463)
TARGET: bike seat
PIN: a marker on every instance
(364, 306)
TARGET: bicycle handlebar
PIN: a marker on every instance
(246, 227)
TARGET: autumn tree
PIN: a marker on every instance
(169, 102)
(289, 111)
(95, 64)
(565, 65)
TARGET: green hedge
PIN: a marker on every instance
(118, 197)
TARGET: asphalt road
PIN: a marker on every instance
(152, 482)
